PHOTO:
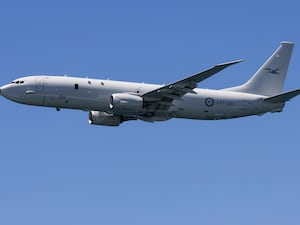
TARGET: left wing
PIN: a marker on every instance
(162, 98)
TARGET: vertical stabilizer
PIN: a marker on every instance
(269, 79)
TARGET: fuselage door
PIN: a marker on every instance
(39, 85)
(39, 96)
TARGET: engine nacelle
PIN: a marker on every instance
(123, 102)
(103, 118)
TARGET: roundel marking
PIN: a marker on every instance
(209, 102)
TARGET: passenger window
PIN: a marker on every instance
(76, 86)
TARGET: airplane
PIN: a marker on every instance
(110, 103)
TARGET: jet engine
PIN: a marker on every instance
(123, 102)
(103, 118)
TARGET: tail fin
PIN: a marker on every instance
(269, 79)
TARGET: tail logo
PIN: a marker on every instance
(273, 71)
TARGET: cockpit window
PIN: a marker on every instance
(17, 82)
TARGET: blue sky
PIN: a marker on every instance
(57, 169)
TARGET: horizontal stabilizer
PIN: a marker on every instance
(283, 97)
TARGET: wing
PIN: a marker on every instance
(161, 99)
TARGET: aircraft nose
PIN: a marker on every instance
(3, 91)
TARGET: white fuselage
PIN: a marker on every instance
(93, 94)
